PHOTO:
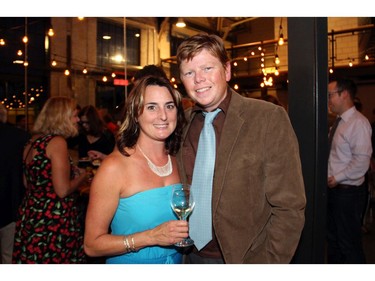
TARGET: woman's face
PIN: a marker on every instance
(85, 123)
(75, 118)
(159, 117)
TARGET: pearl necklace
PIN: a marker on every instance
(161, 171)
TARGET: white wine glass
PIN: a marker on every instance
(182, 203)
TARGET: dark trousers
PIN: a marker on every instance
(344, 221)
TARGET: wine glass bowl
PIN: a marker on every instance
(182, 203)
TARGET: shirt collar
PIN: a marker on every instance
(348, 113)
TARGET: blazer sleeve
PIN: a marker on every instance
(284, 188)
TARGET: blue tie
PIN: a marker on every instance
(201, 218)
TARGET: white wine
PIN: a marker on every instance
(182, 211)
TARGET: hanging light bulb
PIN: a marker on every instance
(54, 63)
(281, 35)
(51, 32)
(67, 72)
(84, 71)
(180, 23)
(2, 42)
(277, 60)
(105, 79)
(25, 39)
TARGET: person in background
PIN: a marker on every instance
(95, 140)
(48, 227)
(150, 69)
(258, 197)
(21, 122)
(131, 191)
(111, 124)
(12, 141)
(348, 162)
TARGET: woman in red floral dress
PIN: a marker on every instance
(49, 228)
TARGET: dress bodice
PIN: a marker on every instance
(142, 211)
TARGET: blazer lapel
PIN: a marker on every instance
(231, 130)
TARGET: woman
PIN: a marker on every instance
(49, 225)
(94, 134)
(131, 191)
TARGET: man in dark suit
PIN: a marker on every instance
(12, 141)
(258, 196)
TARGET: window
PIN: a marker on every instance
(110, 44)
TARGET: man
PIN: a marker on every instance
(348, 162)
(12, 140)
(258, 197)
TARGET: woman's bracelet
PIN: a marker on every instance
(127, 244)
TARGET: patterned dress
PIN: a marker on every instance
(49, 229)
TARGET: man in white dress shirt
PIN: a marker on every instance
(349, 160)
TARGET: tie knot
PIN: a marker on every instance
(210, 116)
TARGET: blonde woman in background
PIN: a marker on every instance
(49, 227)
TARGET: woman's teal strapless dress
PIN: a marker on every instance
(143, 211)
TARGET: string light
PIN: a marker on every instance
(277, 60)
(351, 62)
(281, 35)
(51, 32)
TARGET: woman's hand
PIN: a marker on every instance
(169, 233)
(93, 154)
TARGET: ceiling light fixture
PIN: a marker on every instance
(180, 23)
